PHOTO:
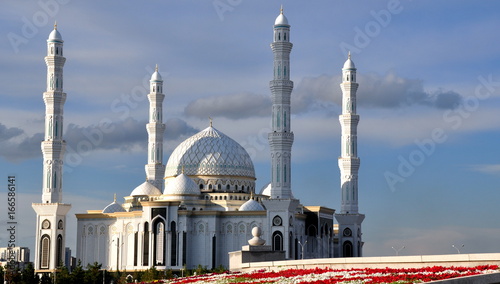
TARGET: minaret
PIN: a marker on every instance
(281, 137)
(51, 213)
(281, 206)
(155, 169)
(349, 219)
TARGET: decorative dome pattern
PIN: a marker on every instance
(251, 205)
(113, 208)
(181, 185)
(145, 188)
(210, 152)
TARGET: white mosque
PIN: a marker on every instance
(202, 204)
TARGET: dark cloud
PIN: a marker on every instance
(27, 148)
(14, 147)
(448, 100)
(120, 135)
(375, 91)
(235, 106)
(8, 133)
(175, 128)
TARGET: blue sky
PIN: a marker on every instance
(428, 100)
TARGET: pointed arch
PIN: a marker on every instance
(59, 251)
(44, 252)
(277, 241)
(347, 249)
(173, 248)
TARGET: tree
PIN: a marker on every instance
(93, 274)
(63, 275)
(28, 275)
(78, 274)
(151, 274)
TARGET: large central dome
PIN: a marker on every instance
(210, 153)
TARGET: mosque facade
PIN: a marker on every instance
(202, 203)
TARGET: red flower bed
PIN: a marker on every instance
(328, 276)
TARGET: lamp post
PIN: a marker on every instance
(458, 251)
(302, 248)
(398, 250)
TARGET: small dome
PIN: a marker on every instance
(156, 75)
(251, 205)
(113, 207)
(181, 185)
(348, 63)
(145, 188)
(266, 190)
(281, 19)
(55, 35)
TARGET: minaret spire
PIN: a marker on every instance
(281, 206)
(349, 219)
(155, 168)
(51, 213)
(281, 137)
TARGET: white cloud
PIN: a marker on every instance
(425, 241)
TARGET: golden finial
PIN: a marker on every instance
(114, 198)
(156, 68)
(55, 25)
(281, 9)
(210, 121)
(349, 55)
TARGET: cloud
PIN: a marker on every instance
(234, 106)
(120, 135)
(15, 145)
(427, 241)
(8, 133)
(176, 128)
(486, 168)
(375, 91)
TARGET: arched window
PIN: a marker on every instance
(160, 243)
(227, 187)
(284, 173)
(45, 252)
(173, 248)
(279, 36)
(284, 36)
(219, 186)
(210, 186)
(145, 255)
(57, 50)
(347, 249)
(59, 251)
(277, 241)
(278, 173)
(201, 186)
